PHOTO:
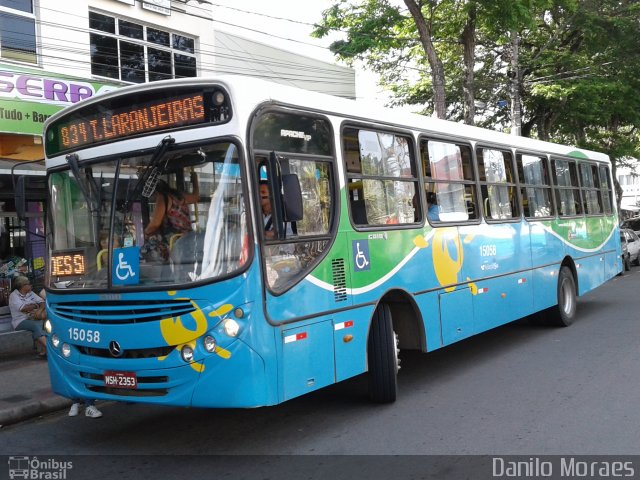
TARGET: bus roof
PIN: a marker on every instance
(247, 93)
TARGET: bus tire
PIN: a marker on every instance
(627, 263)
(382, 354)
(564, 313)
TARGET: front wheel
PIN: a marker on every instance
(564, 313)
(382, 357)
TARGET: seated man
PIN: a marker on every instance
(265, 203)
(27, 311)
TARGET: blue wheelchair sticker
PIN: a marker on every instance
(125, 268)
(360, 249)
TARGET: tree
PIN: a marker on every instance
(425, 33)
(386, 40)
(578, 71)
(582, 75)
(438, 36)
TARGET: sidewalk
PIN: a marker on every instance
(25, 389)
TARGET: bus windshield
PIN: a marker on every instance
(170, 216)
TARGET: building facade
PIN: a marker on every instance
(242, 56)
(629, 181)
(54, 54)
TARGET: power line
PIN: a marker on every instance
(63, 61)
(213, 53)
(41, 22)
(568, 72)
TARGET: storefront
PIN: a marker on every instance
(27, 98)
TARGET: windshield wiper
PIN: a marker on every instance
(72, 160)
(149, 178)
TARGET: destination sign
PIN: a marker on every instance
(130, 115)
(71, 262)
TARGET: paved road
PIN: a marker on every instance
(520, 389)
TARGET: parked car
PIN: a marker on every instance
(632, 223)
(630, 248)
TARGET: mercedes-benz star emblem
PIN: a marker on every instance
(115, 349)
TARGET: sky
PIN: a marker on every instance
(287, 24)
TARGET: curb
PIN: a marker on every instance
(32, 409)
(15, 342)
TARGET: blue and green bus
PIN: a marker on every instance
(386, 232)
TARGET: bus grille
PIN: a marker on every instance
(123, 392)
(122, 312)
(153, 352)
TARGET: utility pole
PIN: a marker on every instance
(514, 78)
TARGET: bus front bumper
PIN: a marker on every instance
(237, 379)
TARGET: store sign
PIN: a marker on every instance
(158, 6)
(28, 97)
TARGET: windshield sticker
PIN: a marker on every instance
(125, 269)
(295, 134)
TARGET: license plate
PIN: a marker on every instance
(120, 379)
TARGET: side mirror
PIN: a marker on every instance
(292, 196)
(20, 198)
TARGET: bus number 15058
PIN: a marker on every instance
(488, 250)
(92, 336)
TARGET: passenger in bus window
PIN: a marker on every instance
(170, 217)
(414, 205)
(281, 260)
(171, 213)
(265, 204)
(433, 210)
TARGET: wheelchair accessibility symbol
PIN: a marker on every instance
(360, 249)
(126, 266)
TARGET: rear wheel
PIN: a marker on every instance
(564, 313)
(627, 263)
(382, 353)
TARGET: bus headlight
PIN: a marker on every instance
(187, 353)
(209, 344)
(66, 350)
(231, 327)
(55, 340)
(47, 326)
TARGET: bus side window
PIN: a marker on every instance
(382, 178)
(358, 206)
(469, 190)
(535, 185)
(356, 192)
(452, 179)
(497, 184)
(606, 189)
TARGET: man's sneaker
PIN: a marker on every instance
(75, 408)
(92, 412)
